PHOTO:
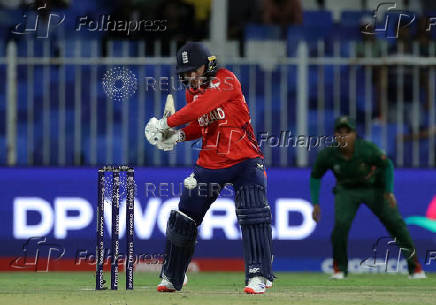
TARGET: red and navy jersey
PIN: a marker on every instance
(220, 115)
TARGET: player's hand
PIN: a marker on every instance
(162, 124)
(154, 129)
(390, 197)
(316, 213)
(170, 138)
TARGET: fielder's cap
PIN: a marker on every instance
(345, 121)
(191, 56)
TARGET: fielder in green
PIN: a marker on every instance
(363, 175)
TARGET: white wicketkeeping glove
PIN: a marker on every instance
(154, 129)
(170, 138)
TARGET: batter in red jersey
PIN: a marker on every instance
(217, 112)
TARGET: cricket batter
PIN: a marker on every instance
(217, 112)
(363, 175)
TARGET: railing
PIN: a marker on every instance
(78, 125)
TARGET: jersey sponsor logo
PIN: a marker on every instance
(185, 57)
(209, 118)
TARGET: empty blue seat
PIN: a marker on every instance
(346, 32)
(261, 32)
(10, 17)
(320, 19)
(3, 154)
(353, 18)
(295, 34)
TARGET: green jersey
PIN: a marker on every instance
(368, 166)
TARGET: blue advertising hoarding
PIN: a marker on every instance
(59, 204)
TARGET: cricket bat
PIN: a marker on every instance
(169, 110)
(169, 106)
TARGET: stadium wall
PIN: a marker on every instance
(47, 222)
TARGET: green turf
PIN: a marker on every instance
(77, 288)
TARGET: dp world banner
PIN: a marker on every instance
(48, 222)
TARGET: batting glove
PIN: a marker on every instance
(170, 139)
(154, 129)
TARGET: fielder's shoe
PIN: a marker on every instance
(268, 283)
(338, 275)
(256, 285)
(418, 275)
(166, 286)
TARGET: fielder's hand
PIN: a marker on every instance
(390, 197)
(316, 213)
(154, 129)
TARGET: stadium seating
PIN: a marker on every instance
(320, 28)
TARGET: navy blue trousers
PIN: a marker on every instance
(210, 182)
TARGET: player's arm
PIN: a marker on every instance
(379, 159)
(192, 131)
(227, 88)
(318, 170)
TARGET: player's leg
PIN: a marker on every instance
(181, 235)
(254, 216)
(391, 218)
(182, 225)
(346, 205)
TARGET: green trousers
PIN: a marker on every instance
(347, 201)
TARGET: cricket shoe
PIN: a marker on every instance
(418, 273)
(256, 285)
(268, 283)
(166, 286)
(339, 275)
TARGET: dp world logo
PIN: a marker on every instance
(119, 83)
(428, 221)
